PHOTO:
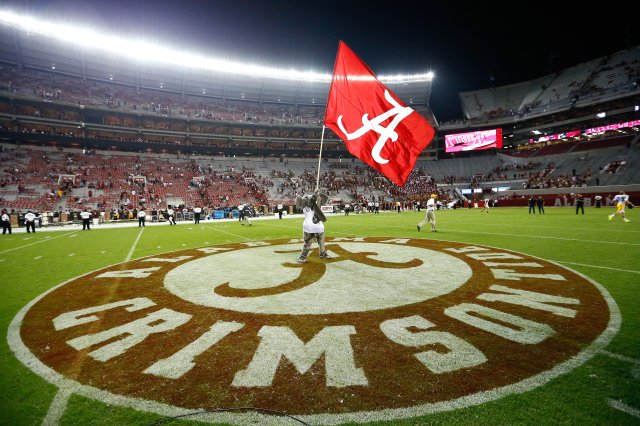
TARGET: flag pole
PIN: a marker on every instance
(320, 156)
(325, 117)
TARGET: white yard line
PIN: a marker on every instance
(542, 237)
(228, 233)
(37, 242)
(599, 267)
(57, 407)
(135, 243)
(620, 357)
(626, 231)
(621, 406)
(446, 229)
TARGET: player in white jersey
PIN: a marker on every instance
(485, 206)
(431, 214)
(621, 200)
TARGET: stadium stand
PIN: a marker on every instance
(73, 139)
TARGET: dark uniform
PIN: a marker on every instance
(579, 203)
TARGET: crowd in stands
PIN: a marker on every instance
(50, 180)
(613, 166)
(546, 179)
(75, 91)
(615, 75)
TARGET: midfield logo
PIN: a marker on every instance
(385, 329)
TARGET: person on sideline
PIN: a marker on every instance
(6, 222)
(197, 211)
(86, 220)
(431, 214)
(241, 214)
(246, 213)
(141, 218)
(540, 204)
(598, 199)
(621, 202)
(485, 206)
(171, 215)
(579, 203)
(30, 221)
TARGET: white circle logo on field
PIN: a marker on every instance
(358, 277)
(386, 328)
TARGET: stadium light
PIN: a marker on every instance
(140, 50)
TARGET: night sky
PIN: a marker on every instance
(468, 47)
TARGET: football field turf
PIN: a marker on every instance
(603, 390)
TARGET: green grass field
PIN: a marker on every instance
(604, 390)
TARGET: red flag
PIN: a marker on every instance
(377, 127)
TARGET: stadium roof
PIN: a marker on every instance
(79, 52)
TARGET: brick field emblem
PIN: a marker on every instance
(387, 328)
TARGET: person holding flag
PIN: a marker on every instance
(374, 123)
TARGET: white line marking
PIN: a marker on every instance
(599, 267)
(74, 235)
(505, 234)
(103, 252)
(543, 237)
(26, 239)
(57, 407)
(71, 254)
(621, 406)
(531, 236)
(547, 227)
(37, 257)
(30, 244)
(135, 243)
(620, 357)
(230, 233)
